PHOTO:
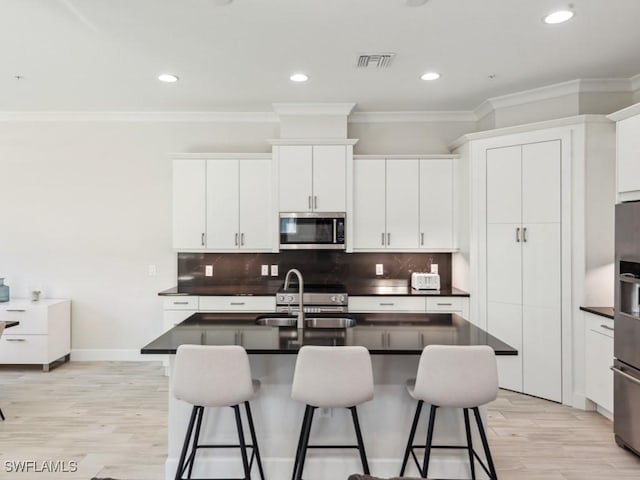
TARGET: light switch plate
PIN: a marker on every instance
(274, 270)
(208, 270)
(379, 269)
(265, 270)
(434, 268)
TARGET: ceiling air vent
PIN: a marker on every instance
(375, 60)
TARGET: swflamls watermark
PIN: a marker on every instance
(44, 466)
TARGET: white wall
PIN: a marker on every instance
(86, 209)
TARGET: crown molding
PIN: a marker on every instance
(218, 156)
(484, 109)
(625, 113)
(412, 117)
(222, 117)
(545, 124)
(313, 108)
(428, 156)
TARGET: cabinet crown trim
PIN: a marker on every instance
(313, 141)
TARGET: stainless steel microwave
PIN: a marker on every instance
(312, 230)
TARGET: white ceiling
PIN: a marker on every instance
(105, 55)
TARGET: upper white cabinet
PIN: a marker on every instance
(312, 178)
(222, 204)
(403, 203)
(628, 152)
(524, 264)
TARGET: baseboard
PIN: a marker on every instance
(581, 402)
(112, 355)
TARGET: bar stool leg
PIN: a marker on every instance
(409, 448)
(467, 428)
(252, 430)
(243, 446)
(485, 444)
(196, 436)
(363, 454)
(305, 442)
(181, 465)
(299, 448)
(1, 415)
(427, 451)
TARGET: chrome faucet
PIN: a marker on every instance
(300, 294)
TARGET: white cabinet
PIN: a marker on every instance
(459, 305)
(524, 264)
(598, 360)
(222, 203)
(312, 178)
(628, 153)
(43, 335)
(386, 204)
(178, 308)
(237, 303)
(410, 304)
(436, 203)
(403, 204)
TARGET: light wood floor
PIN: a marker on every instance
(110, 418)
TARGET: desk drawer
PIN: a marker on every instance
(33, 319)
(23, 348)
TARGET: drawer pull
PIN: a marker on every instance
(444, 304)
(387, 304)
(607, 327)
(16, 339)
(16, 310)
(181, 303)
(237, 303)
(625, 375)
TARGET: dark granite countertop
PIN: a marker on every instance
(381, 333)
(382, 287)
(606, 312)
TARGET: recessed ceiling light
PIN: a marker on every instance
(560, 16)
(430, 76)
(167, 78)
(299, 77)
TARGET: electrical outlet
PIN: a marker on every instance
(274, 270)
(265, 270)
(434, 268)
(208, 270)
(379, 269)
(152, 270)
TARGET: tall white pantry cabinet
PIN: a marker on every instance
(540, 218)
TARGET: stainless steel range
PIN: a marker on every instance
(317, 298)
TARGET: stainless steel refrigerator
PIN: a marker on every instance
(626, 365)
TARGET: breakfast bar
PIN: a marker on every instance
(395, 342)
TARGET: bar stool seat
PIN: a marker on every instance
(331, 377)
(215, 376)
(463, 377)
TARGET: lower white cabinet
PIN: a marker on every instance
(237, 303)
(43, 335)
(410, 304)
(598, 360)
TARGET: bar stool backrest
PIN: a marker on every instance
(333, 377)
(212, 376)
(457, 376)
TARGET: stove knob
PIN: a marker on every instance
(281, 298)
(334, 298)
(290, 298)
(342, 298)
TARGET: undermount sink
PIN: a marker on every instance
(309, 322)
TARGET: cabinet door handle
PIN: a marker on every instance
(309, 201)
(387, 304)
(237, 303)
(16, 310)
(388, 239)
(518, 234)
(242, 239)
(16, 339)
(181, 303)
(335, 230)
(625, 375)
(202, 239)
(422, 238)
(241, 338)
(383, 239)
(236, 240)
(388, 339)
(383, 340)
(315, 202)
(607, 327)
(524, 234)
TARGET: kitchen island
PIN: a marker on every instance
(395, 342)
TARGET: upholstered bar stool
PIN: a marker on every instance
(331, 377)
(463, 377)
(214, 376)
